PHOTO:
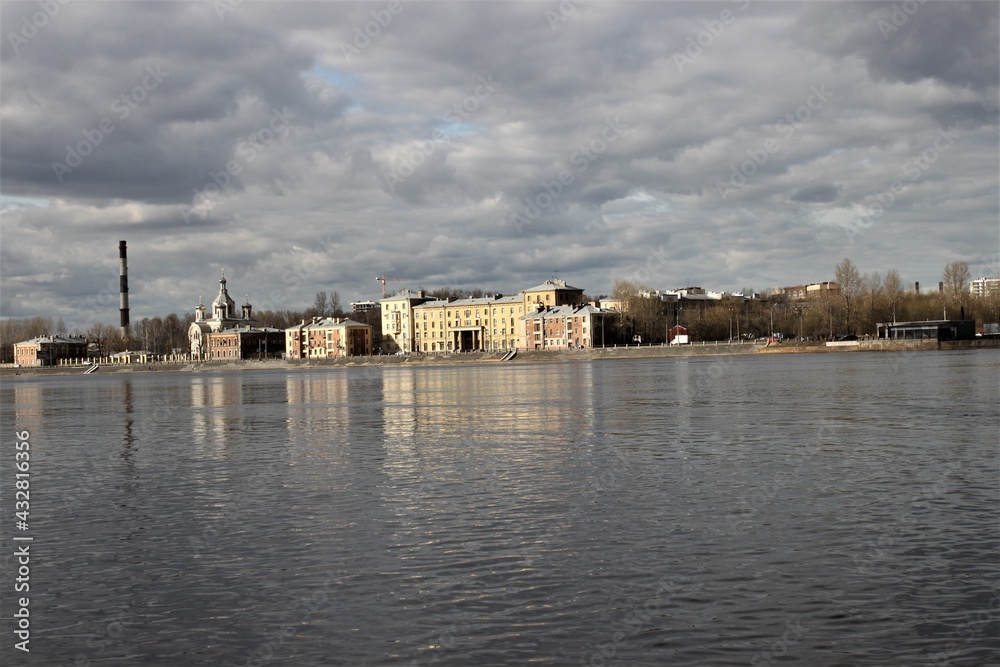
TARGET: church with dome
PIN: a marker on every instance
(231, 334)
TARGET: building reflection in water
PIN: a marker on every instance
(488, 418)
(216, 412)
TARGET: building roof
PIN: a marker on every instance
(437, 303)
(921, 323)
(550, 285)
(406, 295)
(246, 329)
(328, 323)
(566, 311)
(54, 340)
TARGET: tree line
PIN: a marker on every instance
(863, 301)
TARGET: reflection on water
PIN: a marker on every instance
(827, 509)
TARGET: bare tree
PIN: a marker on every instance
(893, 288)
(174, 333)
(334, 305)
(320, 304)
(873, 290)
(645, 316)
(955, 277)
(107, 338)
(849, 281)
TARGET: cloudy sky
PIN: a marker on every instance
(306, 146)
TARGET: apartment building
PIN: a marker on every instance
(551, 293)
(984, 287)
(328, 338)
(567, 327)
(398, 323)
(430, 333)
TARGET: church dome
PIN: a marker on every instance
(223, 306)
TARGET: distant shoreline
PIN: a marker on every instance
(523, 356)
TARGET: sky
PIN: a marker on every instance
(312, 146)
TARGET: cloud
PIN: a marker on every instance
(817, 193)
(196, 176)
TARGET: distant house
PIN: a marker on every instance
(808, 292)
(49, 350)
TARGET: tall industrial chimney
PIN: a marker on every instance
(123, 288)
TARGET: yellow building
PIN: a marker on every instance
(551, 293)
(487, 324)
(398, 328)
(429, 329)
(412, 322)
(505, 333)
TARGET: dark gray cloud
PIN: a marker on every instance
(817, 193)
(311, 146)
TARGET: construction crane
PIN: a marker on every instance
(382, 279)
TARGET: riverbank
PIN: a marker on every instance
(524, 356)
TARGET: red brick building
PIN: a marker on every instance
(568, 327)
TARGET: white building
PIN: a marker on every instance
(224, 316)
(985, 287)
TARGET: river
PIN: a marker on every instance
(828, 509)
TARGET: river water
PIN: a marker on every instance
(828, 509)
